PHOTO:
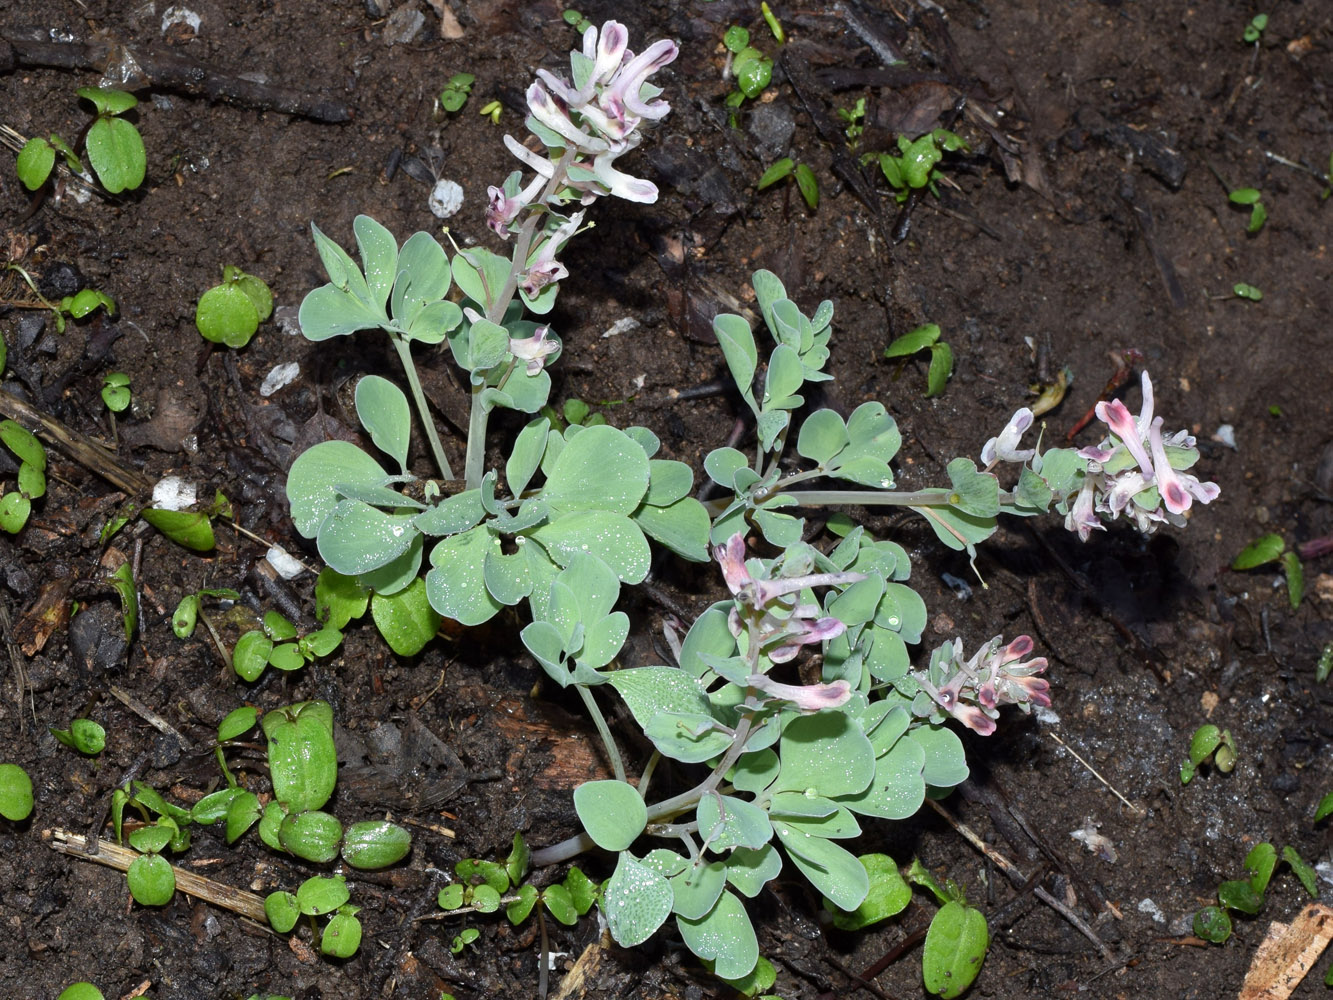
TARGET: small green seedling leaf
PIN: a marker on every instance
(342, 937)
(1240, 896)
(374, 844)
(1243, 291)
(116, 391)
(15, 793)
(83, 735)
(81, 991)
(1265, 549)
(736, 39)
(909, 343)
(1212, 923)
(35, 162)
(152, 881)
(1295, 574)
(189, 529)
(231, 312)
(282, 910)
(322, 894)
(888, 895)
(955, 948)
(1325, 807)
(1324, 666)
(941, 367)
(808, 185)
(237, 722)
(782, 168)
(1303, 871)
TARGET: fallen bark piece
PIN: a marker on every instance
(171, 71)
(1287, 953)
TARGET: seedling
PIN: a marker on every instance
(81, 991)
(1250, 197)
(917, 164)
(279, 645)
(231, 312)
(82, 303)
(805, 179)
(1241, 290)
(30, 485)
(854, 120)
(1213, 923)
(486, 886)
(752, 69)
(1325, 806)
(1209, 743)
(116, 391)
(114, 147)
(576, 20)
(83, 735)
(1325, 664)
(455, 92)
(492, 111)
(1272, 548)
(15, 793)
(319, 896)
(188, 610)
(956, 941)
(926, 337)
(1255, 29)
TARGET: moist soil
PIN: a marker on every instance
(1088, 218)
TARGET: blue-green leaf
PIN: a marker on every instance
(384, 412)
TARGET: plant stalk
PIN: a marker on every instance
(404, 350)
(602, 730)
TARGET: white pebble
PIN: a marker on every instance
(1226, 434)
(173, 493)
(286, 567)
(280, 376)
(446, 198)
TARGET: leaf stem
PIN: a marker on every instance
(600, 722)
(478, 415)
(404, 349)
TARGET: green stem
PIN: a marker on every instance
(404, 350)
(673, 806)
(874, 498)
(474, 461)
(600, 722)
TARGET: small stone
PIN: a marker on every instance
(403, 26)
(445, 199)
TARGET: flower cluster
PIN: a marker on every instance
(1136, 472)
(586, 125)
(972, 690)
(768, 611)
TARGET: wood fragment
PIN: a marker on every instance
(148, 715)
(165, 70)
(79, 447)
(111, 854)
(1287, 954)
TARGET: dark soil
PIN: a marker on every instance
(1090, 217)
